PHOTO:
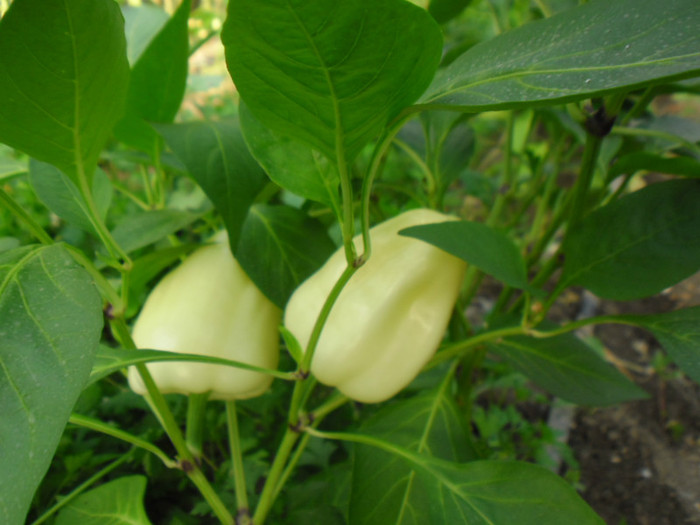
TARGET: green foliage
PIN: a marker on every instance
(118, 158)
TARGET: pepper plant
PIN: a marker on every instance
(350, 114)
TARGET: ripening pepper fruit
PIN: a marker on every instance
(209, 306)
(389, 319)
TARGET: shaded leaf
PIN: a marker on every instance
(594, 49)
(157, 83)
(445, 10)
(568, 368)
(61, 196)
(218, 159)
(328, 73)
(634, 162)
(141, 229)
(294, 166)
(50, 325)
(280, 247)
(118, 502)
(478, 244)
(638, 245)
(63, 82)
(679, 334)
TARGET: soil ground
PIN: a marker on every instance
(640, 461)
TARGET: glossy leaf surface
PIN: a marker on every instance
(50, 324)
(594, 49)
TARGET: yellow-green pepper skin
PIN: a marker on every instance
(389, 319)
(209, 306)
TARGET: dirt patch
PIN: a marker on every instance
(640, 462)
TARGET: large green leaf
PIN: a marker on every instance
(428, 424)
(280, 247)
(679, 334)
(157, 83)
(61, 196)
(477, 493)
(568, 368)
(594, 49)
(50, 324)
(293, 165)
(217, 157)
(63, 79)
(639, 244)
(118, 502)
(330, 73)
(486, 248)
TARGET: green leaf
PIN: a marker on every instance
(141, 229)
(445, 10)
(568, 368)
(679, 334)
(217, 157)
(477, 493)
(61, 196)
(643, 160)
(280, 247)
(478, 244)
(118, 502)
(10, 168)
(63, 81)
(328, 73)
(109, 360)
(141, 24)
(50, 324)
(294, 166)
(428, 424)
(588, 51)
(146, 268)
(157, 83)
(638, 245)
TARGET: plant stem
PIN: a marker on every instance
(194, 429)
(585, 177)
(104, 428)
(456, 349)
(161, 410)
(234, 439)
(65, 500)
(270, 490)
